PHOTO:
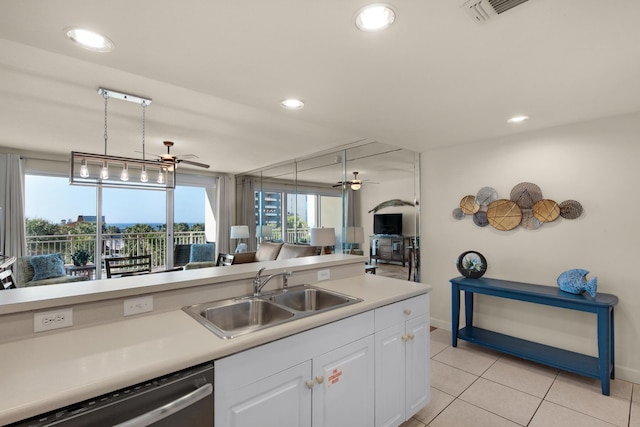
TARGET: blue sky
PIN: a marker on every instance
(54, 199)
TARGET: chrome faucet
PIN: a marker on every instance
(258, 282)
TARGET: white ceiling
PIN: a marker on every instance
(216, 71)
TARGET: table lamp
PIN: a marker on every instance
(240, 232)
(323, 237)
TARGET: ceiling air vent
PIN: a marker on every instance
(484, 10)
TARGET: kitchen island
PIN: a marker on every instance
(105, 351)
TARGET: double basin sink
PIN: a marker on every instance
(238, 316)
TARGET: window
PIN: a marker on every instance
(291, 221)
(62, 218)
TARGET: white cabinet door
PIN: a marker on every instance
(390, 376)
(417, 365)
(281, 400)
(343, 395)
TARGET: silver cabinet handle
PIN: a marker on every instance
(170, 408)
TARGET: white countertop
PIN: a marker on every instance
(43, 373)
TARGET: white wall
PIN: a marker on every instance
(595, 163)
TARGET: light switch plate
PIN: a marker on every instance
(324, 274)
(138, 305)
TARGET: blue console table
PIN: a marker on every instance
(601, 367)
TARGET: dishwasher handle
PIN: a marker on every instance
(170, 408)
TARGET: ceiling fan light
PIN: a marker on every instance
(375, 17)
(90, 40)
(356, 186)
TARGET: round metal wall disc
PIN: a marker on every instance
(504, 214)
(546, 210)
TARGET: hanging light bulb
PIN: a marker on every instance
(124, 176)
(160, 177)
(143, 175)
(84, 170)
(104, 173)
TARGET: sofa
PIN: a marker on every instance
(47, 269)
(270, 251)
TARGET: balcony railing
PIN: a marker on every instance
(133, 244)
(124, 244)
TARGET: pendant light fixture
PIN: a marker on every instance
(93, 169)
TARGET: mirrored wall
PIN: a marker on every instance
(354, 190)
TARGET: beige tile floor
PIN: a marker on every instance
(475, 387)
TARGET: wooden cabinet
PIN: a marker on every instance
(364, 370)
(284, 397)
(388, 248)
(343, 393)
(327, 380)
(401, 360)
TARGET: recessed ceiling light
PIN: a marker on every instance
(375, 17)
(518, 119)
(292, 104)
(89, 39)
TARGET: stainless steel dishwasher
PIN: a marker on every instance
(184, 398)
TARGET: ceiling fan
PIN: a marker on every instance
(355, 183)
(172, 159)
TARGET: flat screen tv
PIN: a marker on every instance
(387, 223)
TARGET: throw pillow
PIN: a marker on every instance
(202, 252)
(47, 266)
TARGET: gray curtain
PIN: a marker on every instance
(248, 210)
(223, 214)
(12, 203)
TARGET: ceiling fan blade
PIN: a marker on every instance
(189, 162)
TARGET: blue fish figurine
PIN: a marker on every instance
(575, 282)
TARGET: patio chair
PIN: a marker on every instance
(127, 266)
(181, 255)
(7, 280)
(225, 259)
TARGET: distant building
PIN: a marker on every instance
(268, 207)
(82, 218)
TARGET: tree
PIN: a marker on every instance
(294, 221)
(197, 227)
(42, 227)
(83, 228)
(146, 240)
(181, 226)
(112, 229)
(139, 228)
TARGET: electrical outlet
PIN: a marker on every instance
(138, 305)
(48, 320)
(324, 274)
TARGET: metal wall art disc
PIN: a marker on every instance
(486, 195)
(469, 205)
(458, 214)
(526, 194)
(529, 221)
(504, 214)
(546, 210)
(570, 209)
(480, 219)
(471, 264)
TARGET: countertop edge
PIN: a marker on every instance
(156, 344)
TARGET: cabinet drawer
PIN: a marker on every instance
(400, 311)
